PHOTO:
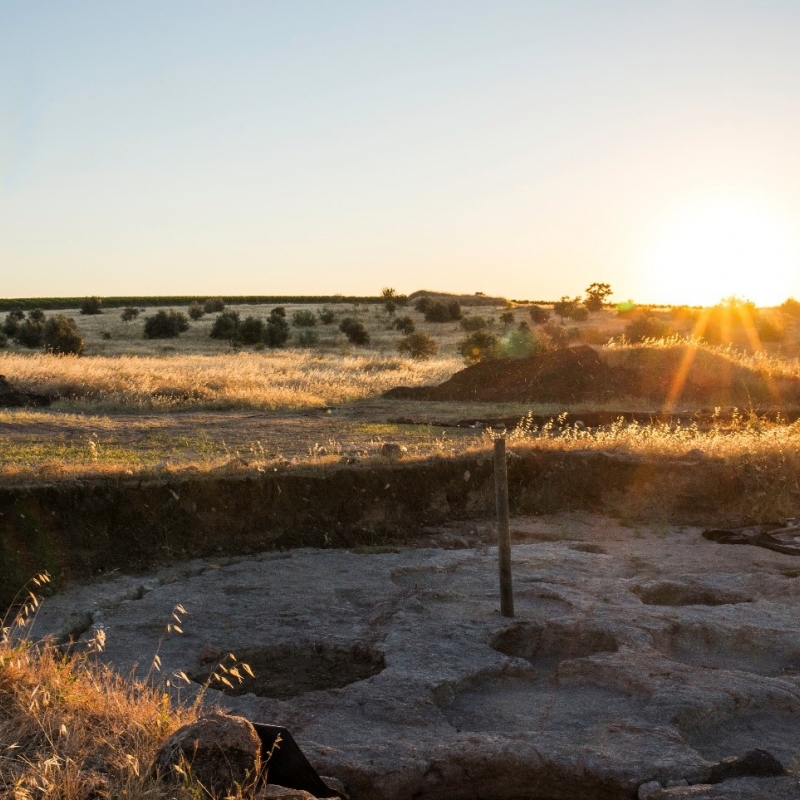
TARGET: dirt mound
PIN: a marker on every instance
(681, 373)
(570, 375)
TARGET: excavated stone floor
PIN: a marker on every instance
(638, 657)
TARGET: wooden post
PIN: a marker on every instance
(503, 535)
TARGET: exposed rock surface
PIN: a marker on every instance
(222, 752)
(736, 789)
(639, 658)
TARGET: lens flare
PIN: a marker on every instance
(723, 248)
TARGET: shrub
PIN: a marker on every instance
(580, 314)
(251, 330)
(30, 333)
(354, 330)
(769, 331)
(473, 323)
(682, 313)
(196, 311)
(304, 319)
(307, 338)
(596, 296)
(646, 326)
(36, 315)
(418, 346)
(520, 343)
(165, 325)
(443, 311)
(538, 315)
(213, 305)
(61, 336)
(557, 337)
(422, 304)
(226, 326)
(276, 332)
(389, 297)
(480, 346)
(790, 307)
(507, 318)
(566, 306)
(404, 325)
(130, 314)
(106, 335)
(3, 339)
(326, 316)
(12, 321)
(92, 305)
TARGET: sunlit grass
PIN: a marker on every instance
(72, 728)
(742, 435)
(288, 379)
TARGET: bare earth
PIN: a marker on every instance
(142, 440)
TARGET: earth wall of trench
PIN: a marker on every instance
(77, 530)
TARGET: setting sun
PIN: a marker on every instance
(720, 249)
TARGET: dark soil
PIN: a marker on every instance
(77, 530)
(15, 398)
(581, 374)
(571, 375)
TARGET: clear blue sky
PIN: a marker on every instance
(521, 148)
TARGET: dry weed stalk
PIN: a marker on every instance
(72, 728)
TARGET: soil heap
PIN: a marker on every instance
(579, 374)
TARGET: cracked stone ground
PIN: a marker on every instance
(636, 655)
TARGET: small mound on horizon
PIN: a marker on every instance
(689, 373)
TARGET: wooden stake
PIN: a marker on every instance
(503, 534)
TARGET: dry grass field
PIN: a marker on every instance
(281, 379)
(132, 405)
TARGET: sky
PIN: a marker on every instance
(525, 149)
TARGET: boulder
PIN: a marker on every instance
(221, 750)
(392, 451)
(273, 792)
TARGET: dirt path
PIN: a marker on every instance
(31, 441)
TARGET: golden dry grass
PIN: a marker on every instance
(745, 435)
(71, 728)
(289, 379)
(773, 365)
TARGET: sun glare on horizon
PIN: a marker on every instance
(722, 249)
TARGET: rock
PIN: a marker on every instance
(15, 398)
(336, 785)
(221, 750)
(208, 652)
(393, 451)
(756, 763)
(634, 658)
(272, 792)
(650, 790)
(784, 788)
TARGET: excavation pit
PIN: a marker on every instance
(674, 593)
(760, 651)
(727, 735)
(288, 670)
(518, 704)
(588, 693)
(545, 646)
